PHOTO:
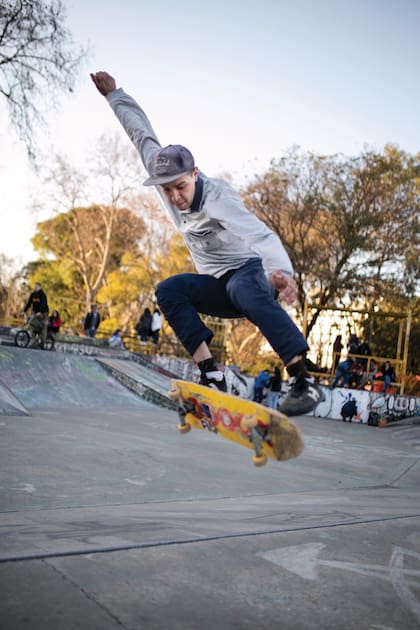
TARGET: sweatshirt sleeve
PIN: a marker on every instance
(44, 306)
(135, 123)
(28, 303)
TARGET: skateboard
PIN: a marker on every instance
(267, 431)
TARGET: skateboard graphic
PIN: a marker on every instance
(267, 431)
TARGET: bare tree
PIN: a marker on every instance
(37, 56)
(243, 342)
(348, 224)
(92, 235)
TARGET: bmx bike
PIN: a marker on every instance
(30, 335)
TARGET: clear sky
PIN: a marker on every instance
(236, 81)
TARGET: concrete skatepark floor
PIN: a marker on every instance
(111, 519)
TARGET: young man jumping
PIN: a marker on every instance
(242, 265)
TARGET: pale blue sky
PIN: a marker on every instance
(238, 82)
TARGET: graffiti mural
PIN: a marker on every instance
(376, 409)
(385, 408)
(349, 405)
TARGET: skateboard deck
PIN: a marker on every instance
(267, 431)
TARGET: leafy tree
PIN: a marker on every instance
(347, 224)
(382, 331)
(10, 297)
(244, 343)
(131, 287)
(87, 244)
(37, 59)
(93, 237)
(59, 281)
(387, 188)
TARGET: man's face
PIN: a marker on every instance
(180, 192)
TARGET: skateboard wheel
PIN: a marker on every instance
(174, 393)
(259, 460)
(184, 428)
(248, 423)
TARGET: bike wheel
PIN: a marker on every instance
(22, 338)
(49, 343)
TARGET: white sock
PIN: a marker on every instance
(217, 375)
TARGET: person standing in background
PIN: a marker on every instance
(156, 326)
(54, 323)
(337, 348)
(263, 379)
(92, 321)
(144, 325)
(275, 389)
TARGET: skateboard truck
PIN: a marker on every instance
(183, 410)
(250, 424)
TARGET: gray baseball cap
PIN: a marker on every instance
(168, 164)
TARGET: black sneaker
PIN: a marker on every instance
(215, 380)
(302, 397)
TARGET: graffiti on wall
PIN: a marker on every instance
(346, 404)
(385, 408)
(367, 407)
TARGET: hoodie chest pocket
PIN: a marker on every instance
(205, 240)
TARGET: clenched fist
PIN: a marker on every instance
(285, 285)
(104, 82)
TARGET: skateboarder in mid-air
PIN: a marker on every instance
(243, 266)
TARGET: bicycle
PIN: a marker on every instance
(31, 335)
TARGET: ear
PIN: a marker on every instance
(195, 173)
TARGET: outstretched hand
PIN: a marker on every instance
(285, 285)
(104, 82)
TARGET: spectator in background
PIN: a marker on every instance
(337, 348)
(156, 326)
(353, 344)
(364, 349)
(54, 323)
(388, 374)
(92, 321)
(261, 381)
(39, 303)
(144, 325)
(115, 340)
(275, 389)
(357, 376)
(343, 373)
(370, 376)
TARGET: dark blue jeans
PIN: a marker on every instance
(341, 376)
(243, 292)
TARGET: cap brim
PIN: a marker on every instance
(158, 180)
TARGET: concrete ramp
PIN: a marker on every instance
(148, 383)
(9, 404)
(49, 380)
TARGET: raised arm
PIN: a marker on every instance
(130, 115)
